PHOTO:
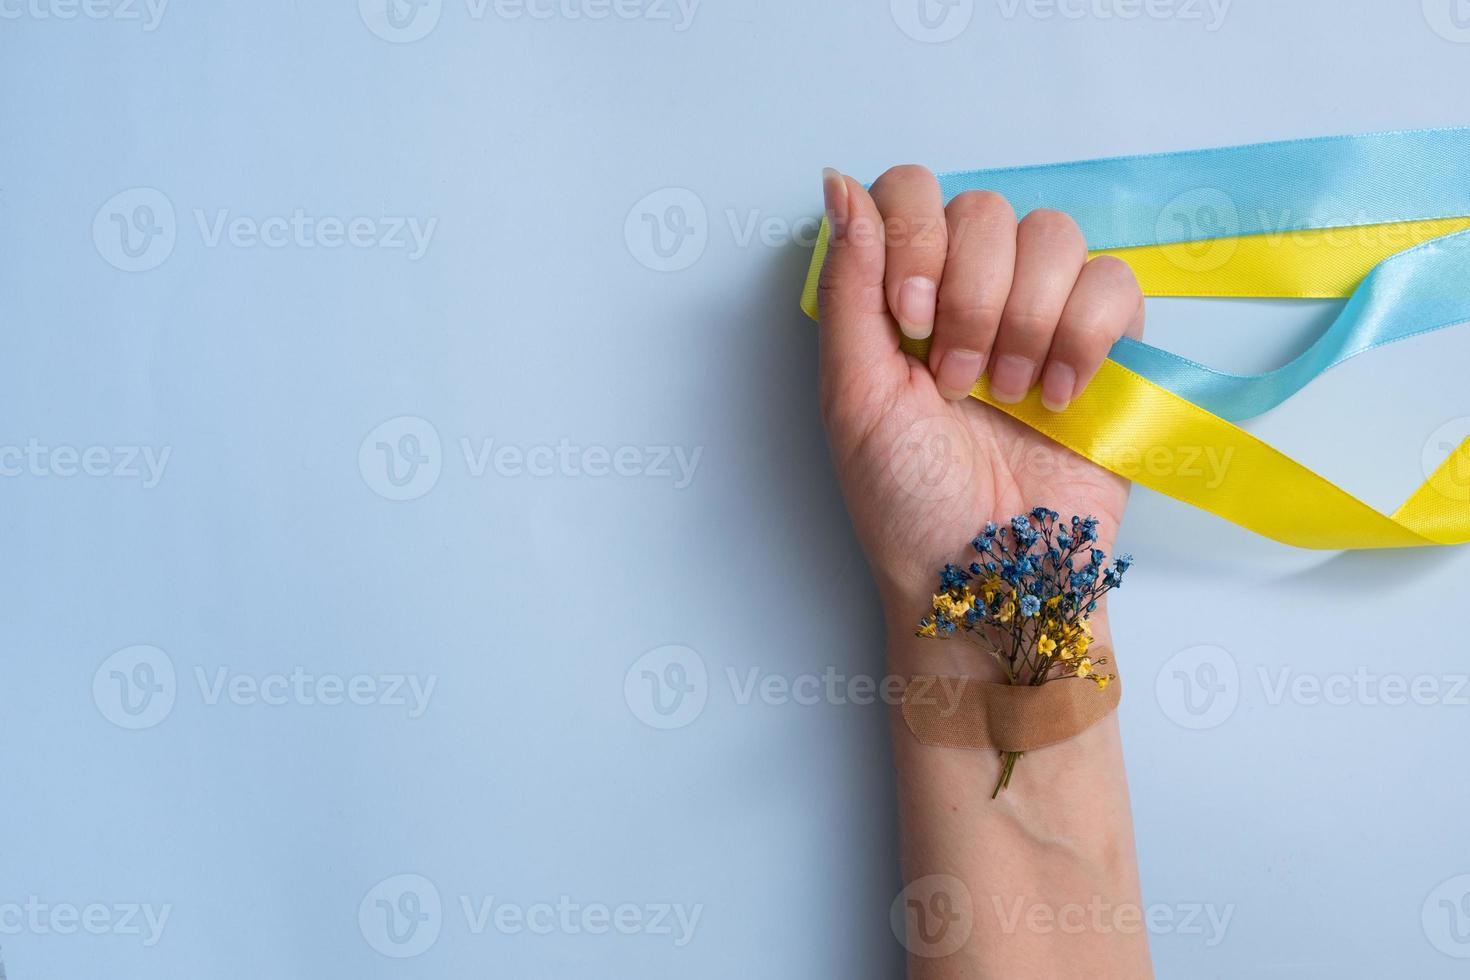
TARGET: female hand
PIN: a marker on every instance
(922, 465)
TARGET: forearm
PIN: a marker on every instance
(1049, 865)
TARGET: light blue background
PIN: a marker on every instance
(1330, 833)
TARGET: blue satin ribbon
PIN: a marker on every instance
(1415, 292)
(1266, 188)
(1326, 182)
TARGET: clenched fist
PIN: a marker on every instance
(923, 466)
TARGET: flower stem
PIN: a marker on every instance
(1008, 766)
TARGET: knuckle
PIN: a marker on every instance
(1053, 227)
(928, 236)
(1048, 219)
(909, 223)
(828, 292)
(981, 206)
(973, 317)
(982, 214)
(904, 173)
(860, 233)
(1115, 274)
(1028, 325)
(830, 287)
(1091, 336)
(829, 279)
(837, 296)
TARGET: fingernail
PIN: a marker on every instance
(1011, 378)
(834, 197)
(958, 370)
(1058, 383)
(915, 311)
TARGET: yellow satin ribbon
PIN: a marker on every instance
(1326, 263)
(1130, 426)
(1127, 424)
(1323, 263)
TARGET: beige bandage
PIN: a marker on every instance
(964, 713)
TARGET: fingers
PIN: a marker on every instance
(1050, 253)
(855, 328)
(1105, 304)
(1020, 301)
(973, 290)
(916, 234)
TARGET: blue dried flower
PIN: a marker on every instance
(1043, 563)
(953, 577)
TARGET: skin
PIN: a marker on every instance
(923, 467)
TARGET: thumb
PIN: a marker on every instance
(859, 338)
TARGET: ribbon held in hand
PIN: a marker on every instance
(1383, 219)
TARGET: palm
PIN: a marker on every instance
(923, 474)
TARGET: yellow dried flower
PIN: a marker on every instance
(1046, 645)
(1084, 667)
(954, 608)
